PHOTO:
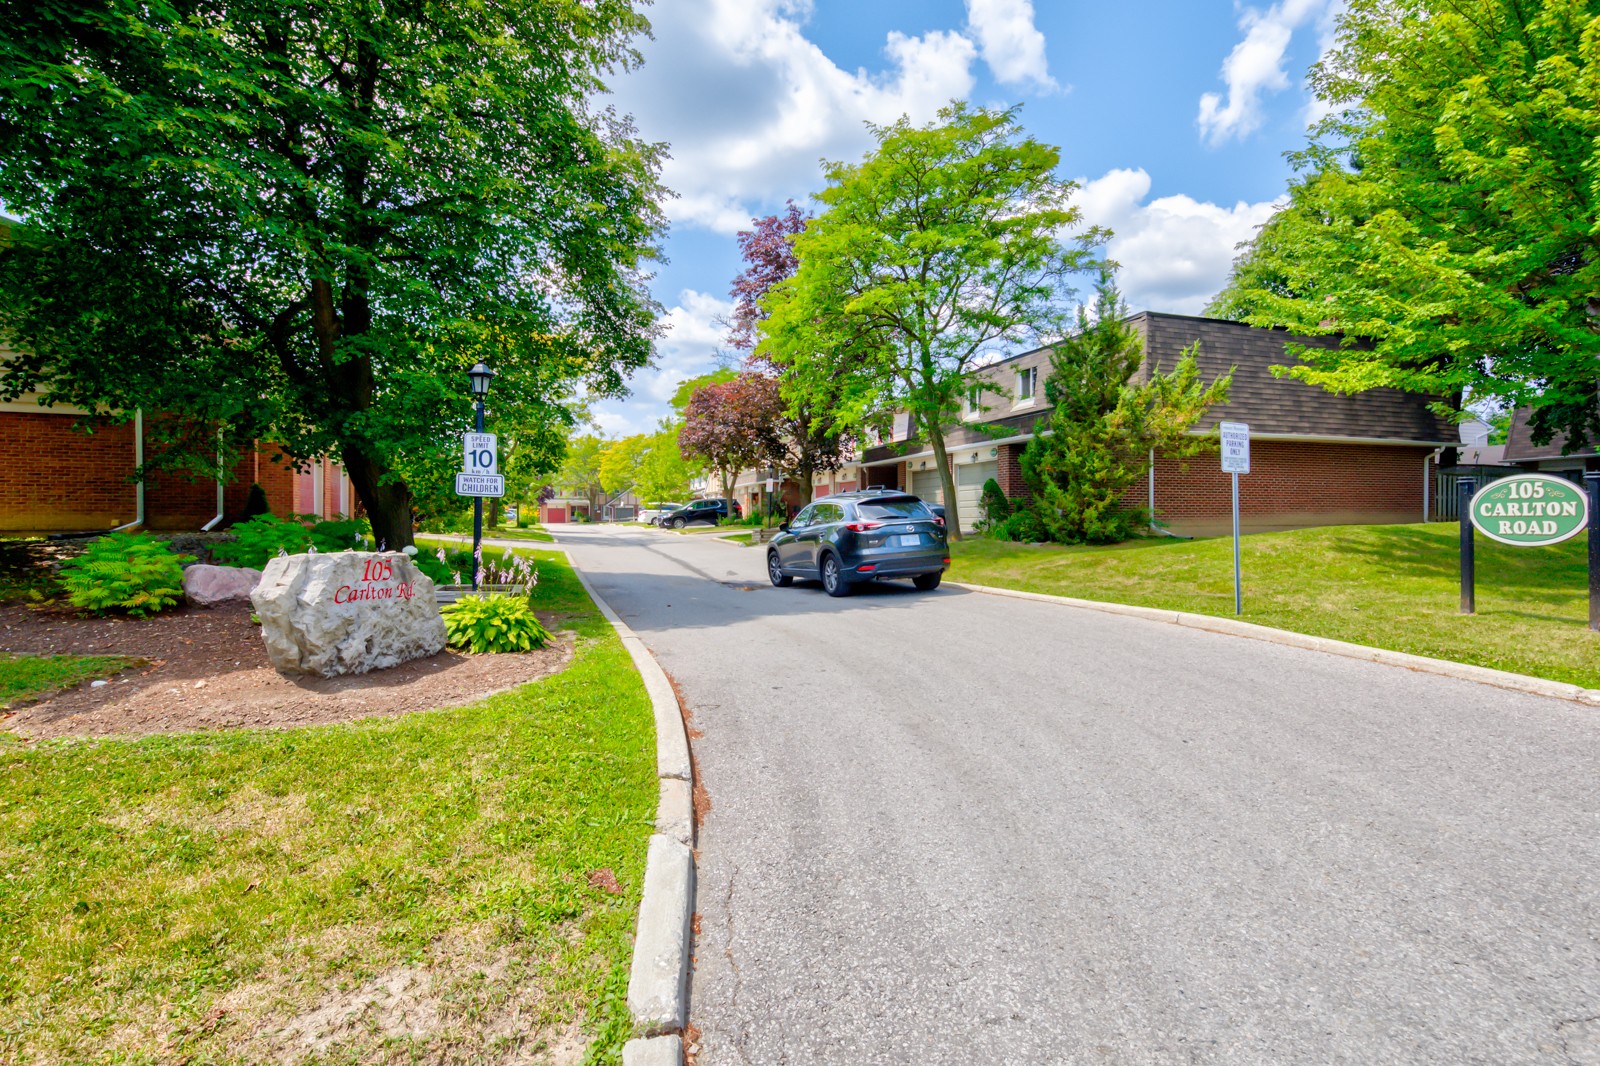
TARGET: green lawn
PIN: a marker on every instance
(1391, 587)
(24, 677)
(223, 897)
(531, 533)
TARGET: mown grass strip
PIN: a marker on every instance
(429, 888)
(27, 677)
(1392, 587)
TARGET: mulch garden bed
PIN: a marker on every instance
(208, 669)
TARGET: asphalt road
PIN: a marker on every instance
(955, 828)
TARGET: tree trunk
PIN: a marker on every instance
(952, 512)
(388, 503)
(493, 518)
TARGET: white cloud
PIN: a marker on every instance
(1011, 44)
(749, 105)
(694, 335)
(1255, 68)
(1175, 251)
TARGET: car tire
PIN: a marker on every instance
(676, 523)
(833, 579)
(927, 582)
(775, 572)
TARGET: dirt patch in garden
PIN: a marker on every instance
(208, 669)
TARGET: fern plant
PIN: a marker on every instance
(131, 572)
(495, 623)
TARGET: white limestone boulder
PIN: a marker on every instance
(346, 612)
(205, 585)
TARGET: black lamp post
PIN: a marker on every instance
(480, 376)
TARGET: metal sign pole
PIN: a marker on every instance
(1591, 483)
(1238, 590)
(477, 515)
(1464, 491)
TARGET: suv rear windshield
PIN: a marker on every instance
(903, 507)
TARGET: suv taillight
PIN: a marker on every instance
(861, 527)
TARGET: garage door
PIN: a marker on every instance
(969, 490)
(925, 483)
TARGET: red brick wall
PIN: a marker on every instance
(1010, 477)
(1291, 484)
(53, 479)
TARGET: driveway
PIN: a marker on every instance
(955, 828)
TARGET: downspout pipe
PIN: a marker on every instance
(1427, 483)
(215, 522)
(138, 463)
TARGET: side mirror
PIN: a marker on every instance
(783, 527)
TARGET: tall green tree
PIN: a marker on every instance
(290, 219)
(1106, 419)
(945, 243)
(1445, 218)
(579, 473)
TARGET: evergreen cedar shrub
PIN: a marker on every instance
(494, 623)
(130, 572)
(1104, 424)
(1020, 525)
(255, 503)
(995, 507)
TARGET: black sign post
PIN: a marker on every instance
(1464, 490)
(1591, 485)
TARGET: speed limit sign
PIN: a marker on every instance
(481, 453)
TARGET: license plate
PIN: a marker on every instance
(908, 540)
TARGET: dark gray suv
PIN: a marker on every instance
(854, 537)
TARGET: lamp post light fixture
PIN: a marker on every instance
(480, 376)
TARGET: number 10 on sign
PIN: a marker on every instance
(481, 453)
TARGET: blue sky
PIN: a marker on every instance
(1173, 115)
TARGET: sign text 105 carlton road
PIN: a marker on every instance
(1530, 510)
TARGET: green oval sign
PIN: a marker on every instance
(1530, 510)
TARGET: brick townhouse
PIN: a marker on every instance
(55, 478)
(1316, 458)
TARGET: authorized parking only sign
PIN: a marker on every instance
(1235, 447)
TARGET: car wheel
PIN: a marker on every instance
(927, 582)
(676, 523)
(775, 572)
(833, 581)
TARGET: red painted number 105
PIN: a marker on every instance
(377, 570)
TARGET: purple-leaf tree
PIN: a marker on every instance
(805, 443)
(733, 425)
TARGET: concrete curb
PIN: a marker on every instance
(658, 984)
(1533, 686)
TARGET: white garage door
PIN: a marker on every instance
(969, 490)
(925, 483)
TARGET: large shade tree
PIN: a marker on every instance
(1445, 216)
(945, 244)
(302, 220)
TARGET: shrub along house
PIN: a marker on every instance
(1316, 458)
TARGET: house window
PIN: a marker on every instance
(974, 401)
(1027, 381)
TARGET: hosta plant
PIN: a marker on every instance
(494, 623)
(131, 572)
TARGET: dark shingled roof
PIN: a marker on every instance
(1273, 404)
(1269, 404)
(1520, 446)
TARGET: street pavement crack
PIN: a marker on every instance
(733, 963)
(1580, 1039)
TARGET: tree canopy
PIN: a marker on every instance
(303, 220)
(732, 425)
(1444, 219)
(945, 243)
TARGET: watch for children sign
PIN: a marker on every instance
(1530, 510)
